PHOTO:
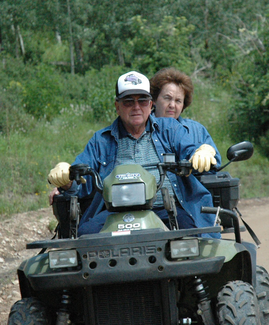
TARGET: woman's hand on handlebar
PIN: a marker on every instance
(203, 158)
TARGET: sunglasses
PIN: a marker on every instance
(130, 102)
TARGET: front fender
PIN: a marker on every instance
(220, 247)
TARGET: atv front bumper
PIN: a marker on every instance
(105, 259)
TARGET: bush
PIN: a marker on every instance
(249, 81)
(43, 93)
(12, 115)
(101, 93)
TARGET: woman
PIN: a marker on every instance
(172, 91)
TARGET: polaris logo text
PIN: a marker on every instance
(123, 252)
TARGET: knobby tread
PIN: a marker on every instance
(238, 305)
(262, 291)
(28, 311)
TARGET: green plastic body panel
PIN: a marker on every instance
(133, 220)
(219, 247)
(129, 174)
(38, 264)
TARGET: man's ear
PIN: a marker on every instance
(117, 107)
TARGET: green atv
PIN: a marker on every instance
(136, 271)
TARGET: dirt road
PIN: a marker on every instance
(27, 227)
(256, 213)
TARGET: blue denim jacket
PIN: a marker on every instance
(199, 135)
(168, 136)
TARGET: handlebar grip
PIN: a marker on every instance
(76, 171)
(209, 210)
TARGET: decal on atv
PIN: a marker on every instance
(129, 226)
(121, 177)
(128, 217)
(123, 252)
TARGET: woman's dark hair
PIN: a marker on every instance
(171, 75)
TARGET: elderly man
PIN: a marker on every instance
(136, 137)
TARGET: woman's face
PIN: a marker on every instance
(170, 101)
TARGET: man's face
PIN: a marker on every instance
(170, 101)
(134, 110)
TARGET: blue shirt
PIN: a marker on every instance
(168, 136)
(141, 151)
(199, 135)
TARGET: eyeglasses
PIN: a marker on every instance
(130, 102)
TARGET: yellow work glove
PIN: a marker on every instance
(203, 158)
(59, 175)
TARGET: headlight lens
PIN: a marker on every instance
(128, 194)
(66, 258)
(184, 248)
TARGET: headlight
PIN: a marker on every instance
(128, 194)
(66, 258)
(184, 248)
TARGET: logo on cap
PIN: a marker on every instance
(133, 79)
(132, 83)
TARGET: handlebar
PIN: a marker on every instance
(79, 170)
(180, 168)
(230, 213)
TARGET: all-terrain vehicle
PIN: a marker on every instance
(137, 271)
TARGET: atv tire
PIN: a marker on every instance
(28, 311)
(238, 305)
(262, 292)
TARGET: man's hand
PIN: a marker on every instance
(203, 158)
(55, 191)
(59, 175)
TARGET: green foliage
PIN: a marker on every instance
(42, 94)
(57, 54)
(253, 175)
(210, 107)
(12, 115)
(41, 101)
(153, 46)
(39, 46)
(27, 157)
(46, 92)
(250, 82)
(101, 92)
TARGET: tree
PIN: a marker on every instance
(250, 84)
(152, 46)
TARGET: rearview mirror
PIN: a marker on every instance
(240, 151)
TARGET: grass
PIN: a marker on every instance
(210, 107)
(28, 155)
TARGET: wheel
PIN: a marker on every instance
(237, 304)
(262, 292)
(28, 311)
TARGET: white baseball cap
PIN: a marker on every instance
(132, 83)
